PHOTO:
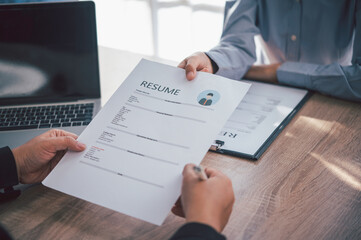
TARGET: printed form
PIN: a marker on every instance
(138, 144)
(260, 112)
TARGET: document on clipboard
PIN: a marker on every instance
(258, 119)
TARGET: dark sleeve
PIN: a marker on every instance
(197, 231)
(8, 175)
(214, 64)
(4, 235)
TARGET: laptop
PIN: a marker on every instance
(49, 72)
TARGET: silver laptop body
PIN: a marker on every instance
(49, 72)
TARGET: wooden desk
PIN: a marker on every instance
(307, 185)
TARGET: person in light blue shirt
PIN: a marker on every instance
(316, 42)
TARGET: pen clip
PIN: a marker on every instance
(219, 144)
(200, 172)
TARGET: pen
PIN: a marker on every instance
(200, 172)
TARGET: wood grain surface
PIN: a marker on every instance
(307, 185)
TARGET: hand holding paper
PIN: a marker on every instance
(209, 201)
(138, 144)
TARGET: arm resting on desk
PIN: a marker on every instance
(334, 80)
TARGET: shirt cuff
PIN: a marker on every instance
(225, 68)
(8, 175)
(218, 58)
(197, 231)
(8, 171)
(358, 60)
(296, 74)
(214, 64)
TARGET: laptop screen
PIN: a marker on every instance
(48, 52)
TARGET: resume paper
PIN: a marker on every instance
(137, 145)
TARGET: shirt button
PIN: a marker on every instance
(293, 38)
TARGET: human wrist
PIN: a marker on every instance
(273, 72)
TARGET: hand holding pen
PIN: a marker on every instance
(205, 198)
(199, 170)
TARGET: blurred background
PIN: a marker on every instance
(166, 29)
(170, 29)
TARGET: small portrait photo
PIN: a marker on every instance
(208, 97)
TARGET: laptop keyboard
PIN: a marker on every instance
(52, 116)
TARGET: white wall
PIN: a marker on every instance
(193, 25)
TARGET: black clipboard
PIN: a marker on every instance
(217, 146)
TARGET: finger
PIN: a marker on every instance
(193, 64)
(191, 75)
(70, 134)
(189, 175)
(183, 64)
(188, 169)
(60, 133)
(65, 133)
(190, 71)
(205, 70)
(66, 142)
(211, 172)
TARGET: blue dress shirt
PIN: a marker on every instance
(318, 42)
